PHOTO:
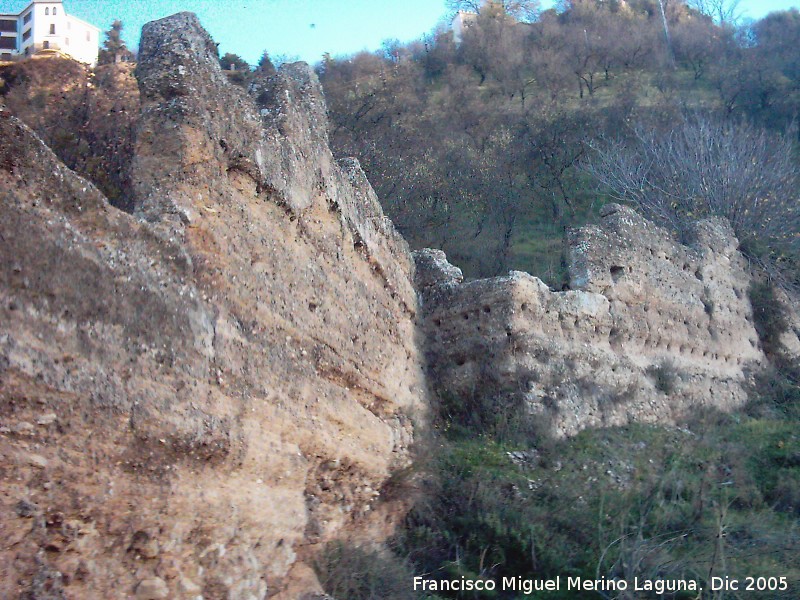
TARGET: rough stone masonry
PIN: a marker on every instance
(650, 330)
(195, 398)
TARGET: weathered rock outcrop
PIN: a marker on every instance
(650, 330)
(193, 400)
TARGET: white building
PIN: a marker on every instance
(44, 26)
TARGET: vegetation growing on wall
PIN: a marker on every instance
(86, 117)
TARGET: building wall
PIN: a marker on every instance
(461, 22)
(9, 34)
(27, 22)
(81, 40)
(46, 25)
(48, 29)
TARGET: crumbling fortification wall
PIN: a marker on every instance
(196, 397)
(194, 400)
(651, 328)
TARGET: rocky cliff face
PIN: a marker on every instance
(650, 330)
(192, 399)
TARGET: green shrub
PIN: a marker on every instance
(642, 501)
(503, 417)
(481, 518)
(665, 377)
(775, 394)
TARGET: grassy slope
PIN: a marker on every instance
(720, 496)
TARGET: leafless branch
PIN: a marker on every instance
(705, 167)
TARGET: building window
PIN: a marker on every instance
(47, 12)
(46, 45)
(26, 36)
(88, 36)
(55, 11)
(8, 25)
(66, 41)
(8, 43)
(52, 29)
(26, 19)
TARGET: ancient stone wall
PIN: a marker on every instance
(193, 401)
(196, 397)
(650, 329)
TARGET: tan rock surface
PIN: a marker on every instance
(212, 393)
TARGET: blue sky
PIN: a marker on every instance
(295, 28)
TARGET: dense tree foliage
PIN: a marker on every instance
(477, 147)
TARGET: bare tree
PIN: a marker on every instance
(698, 45)
(473, 6)
(724, 12)
(704, 167)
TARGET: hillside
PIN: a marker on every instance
(501, 150)
(480, 148)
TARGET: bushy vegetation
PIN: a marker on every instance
(476, 147)
(704, 167)
(502, 417)
(86, 117)
(364, 573)
(665, 377)
(718, 496)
